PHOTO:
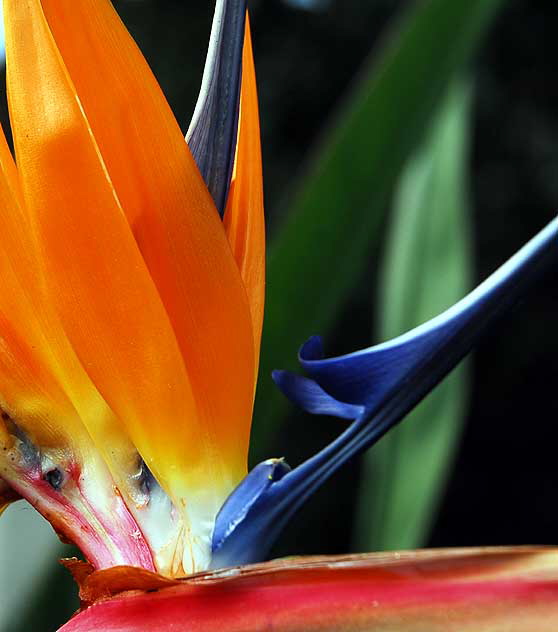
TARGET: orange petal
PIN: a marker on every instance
(28, 389)
(171, 213)
(42, 384)
(106, 299)
(38, 367)
(244, 215)
(45, 393)
(8, 167)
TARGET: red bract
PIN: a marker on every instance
(461, 590)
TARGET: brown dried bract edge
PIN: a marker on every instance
(95, 586)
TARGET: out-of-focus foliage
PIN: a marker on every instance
(334, 217)
(426, 269)
(29, 553)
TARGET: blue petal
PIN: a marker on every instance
(312, 398)
(371, 376)
(245, 496)
(384, 383)
(213, 130)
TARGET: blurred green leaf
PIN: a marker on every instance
(335, 215)
(36, 593)
(52, 602)
(427, 268)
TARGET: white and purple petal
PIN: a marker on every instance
(213, 130)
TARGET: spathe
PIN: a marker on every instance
(460, 590)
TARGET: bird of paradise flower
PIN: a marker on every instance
(131, 305)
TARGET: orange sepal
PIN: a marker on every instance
(96, 586)
(171, 214)
(244, 215)
(38, 366)
(8, 168)
(95, 274)
(29, 330)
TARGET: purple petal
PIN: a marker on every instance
(213, 129)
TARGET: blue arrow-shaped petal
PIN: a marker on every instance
(382, 384)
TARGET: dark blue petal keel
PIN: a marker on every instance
(213, 130)
(248, 493)
(381, 384)
(312, 398)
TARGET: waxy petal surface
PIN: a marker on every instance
(8, 168)
(28, 329)
(48, 458)
(312, 398)
(50, 409)
(493, 590)
(42, 436)
(172, 217)
(244, 216)
(95, 272)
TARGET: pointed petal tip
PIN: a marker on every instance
(432, 349)
(247, 543)
(244, 219)
(312, 398)
(213, 130)
(312, 349)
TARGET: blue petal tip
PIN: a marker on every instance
(312, 398)
(312, 349)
